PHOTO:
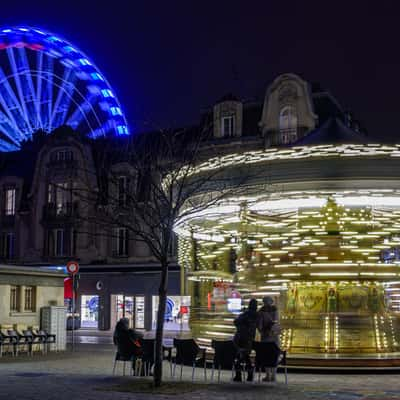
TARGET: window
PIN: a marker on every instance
(8, 245)
(228, 126)
(60, 196)
(9, 197)
(14, 298)
(59, 242)
(30, 298)
(122, 190)
(64, 155)
(120, 242)
(288, 124)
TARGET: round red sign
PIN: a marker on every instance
(72, 267)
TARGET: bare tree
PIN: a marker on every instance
(147, 184)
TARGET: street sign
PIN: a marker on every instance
(72, 267)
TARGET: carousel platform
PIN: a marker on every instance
(350, 362)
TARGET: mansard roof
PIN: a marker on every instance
(332, 131)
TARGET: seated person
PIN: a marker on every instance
(127, 340)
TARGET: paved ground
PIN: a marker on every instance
(86, 374)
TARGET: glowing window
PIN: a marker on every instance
(9, 197)
(288, 124)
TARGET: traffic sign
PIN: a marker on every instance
(72, 267)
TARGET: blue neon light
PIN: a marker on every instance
(107, 93)
(96, 76)
(50, 83)
(69, 49)
(115, 111)
(122, 130)
(53, 39)
(84, 61)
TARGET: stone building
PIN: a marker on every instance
(25, 290)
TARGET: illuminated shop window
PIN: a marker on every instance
(288, 124)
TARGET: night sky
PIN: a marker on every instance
(167, 60)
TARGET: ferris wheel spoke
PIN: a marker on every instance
(46, 98)
(11, 58)
(39, 66)
(102, 130)
(81, 111)
(63, 99)
(7, 128)
(27, 87)
(11, 105)
(6, 146)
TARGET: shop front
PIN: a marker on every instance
(108, 293)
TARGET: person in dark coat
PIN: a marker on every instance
(127, 340)
(268, 325)
(246, 325)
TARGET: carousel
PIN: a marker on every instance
(318, 229)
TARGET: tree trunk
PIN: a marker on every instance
(162, 301)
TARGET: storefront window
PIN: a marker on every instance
(177, 313)
(89, 311)
(131, 307)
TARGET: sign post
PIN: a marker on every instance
(73, 268)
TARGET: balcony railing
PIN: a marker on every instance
(7, 220)
(63, 164)
(57, 212)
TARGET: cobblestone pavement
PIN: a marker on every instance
(86, 374)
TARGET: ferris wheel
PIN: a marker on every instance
(45, 82)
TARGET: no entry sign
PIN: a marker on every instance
(72, 267)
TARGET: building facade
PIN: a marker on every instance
(44, 222)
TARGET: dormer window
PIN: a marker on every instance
(288, 124)
(62, 155)
(228, 126)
